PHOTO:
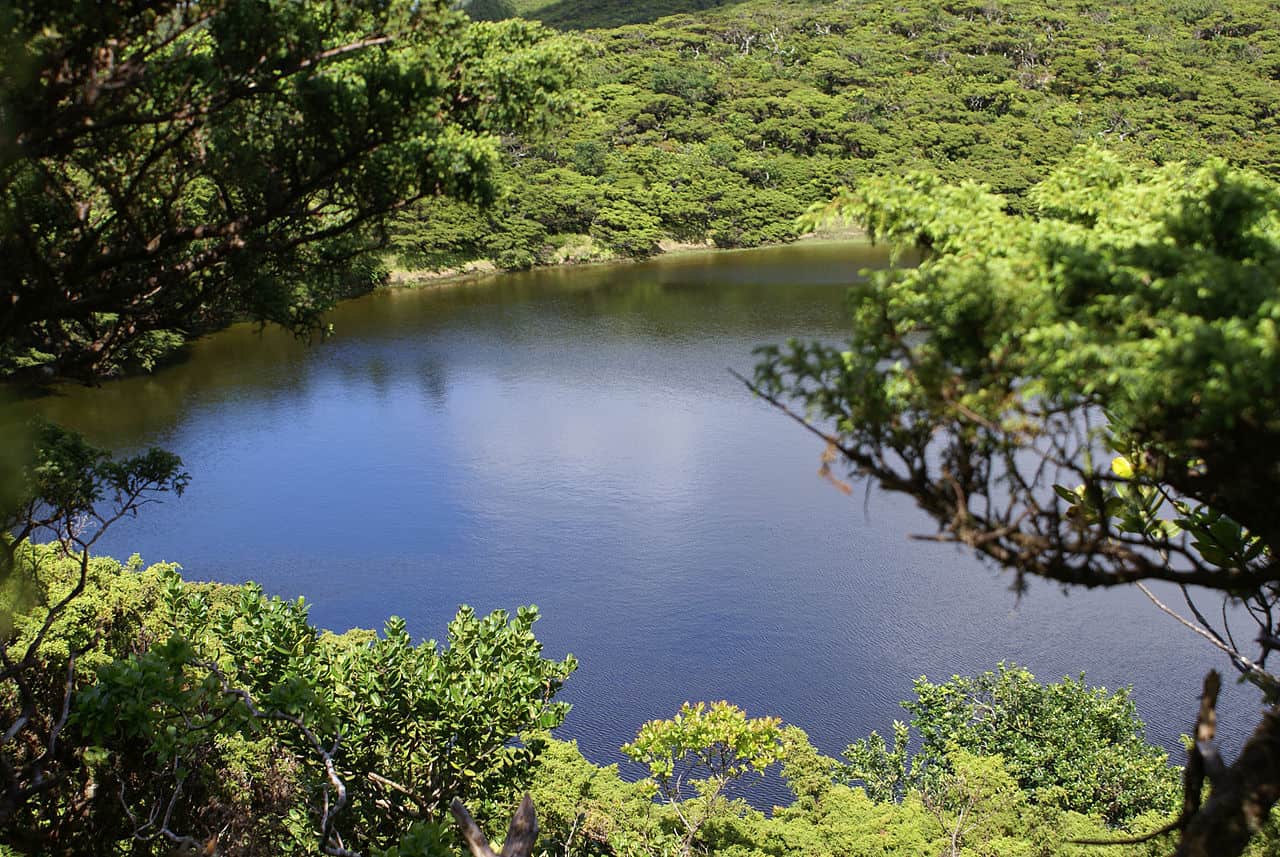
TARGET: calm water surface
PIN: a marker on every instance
(571, 438)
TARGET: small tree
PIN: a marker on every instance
(978, 806)
(702, 751)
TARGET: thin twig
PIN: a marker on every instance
(1246, 664)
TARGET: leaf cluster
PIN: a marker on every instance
(957, 794)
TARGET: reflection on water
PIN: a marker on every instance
(571, 438)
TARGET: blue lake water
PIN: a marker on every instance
(571, 438)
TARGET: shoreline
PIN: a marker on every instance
(35, 383)
(482, 269)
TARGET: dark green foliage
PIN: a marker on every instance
(884, 770)
(489, 10)
(443, 720)
(166, 166)
(728, 123)
(587, 14)
(627, 227)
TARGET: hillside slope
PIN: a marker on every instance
(727, 124)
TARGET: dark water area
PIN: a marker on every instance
(571, 438)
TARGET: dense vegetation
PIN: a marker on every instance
(212, 710)
(156, 742)
(726, 125)
(167, 166)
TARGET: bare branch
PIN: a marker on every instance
(1246, 665)
(471, 831)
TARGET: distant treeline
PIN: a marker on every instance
(726, 124)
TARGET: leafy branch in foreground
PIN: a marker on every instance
(1084, 394)
(75, 492)
(167, 166)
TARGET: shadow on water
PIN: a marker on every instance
(391, 334)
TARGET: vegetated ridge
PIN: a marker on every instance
(725, 125)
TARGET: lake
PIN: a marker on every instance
(571, 438)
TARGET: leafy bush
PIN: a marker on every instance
(208, 711)
(1067, 745)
